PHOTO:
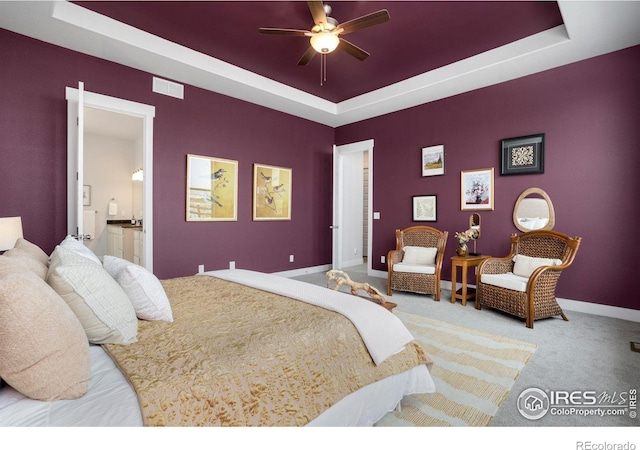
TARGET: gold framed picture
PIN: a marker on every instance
(476, 189)
(271, 192)
(212, 189)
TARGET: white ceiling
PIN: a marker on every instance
(591, 28)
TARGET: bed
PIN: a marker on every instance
(224, 348)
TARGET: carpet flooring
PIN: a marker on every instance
(473, 372)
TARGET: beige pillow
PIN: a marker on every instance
(44, 353)
(525, 265)
(419, 255)
(13, 265)
(27, 259)
(33, 250)
(142, 287)
(103, 308)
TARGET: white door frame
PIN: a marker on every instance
(118, 105)
(338, 192)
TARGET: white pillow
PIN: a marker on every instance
(419, 255)
(71, 243)
(525, 265)
(104, 310)
(143, 288)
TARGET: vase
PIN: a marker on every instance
(462, 249)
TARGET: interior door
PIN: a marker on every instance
(77, 100)
(339, 193)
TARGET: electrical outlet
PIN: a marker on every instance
(201, 268)
(383, 259)
(232, 264)
(290, 258)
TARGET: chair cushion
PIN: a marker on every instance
(506, 280)
(419, 255)
(428, 269)
(525, 265)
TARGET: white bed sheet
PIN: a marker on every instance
(111, 401)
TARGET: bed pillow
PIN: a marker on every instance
(142, 287)
(23, 260)
(419, 255)
(525, 265)
(71, 243)
(103, 308)
(33, 250)
(44, 352)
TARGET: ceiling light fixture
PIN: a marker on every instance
(324, 42)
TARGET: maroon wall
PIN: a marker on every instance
(590, 114)
(33, 161)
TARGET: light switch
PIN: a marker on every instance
(376, 215)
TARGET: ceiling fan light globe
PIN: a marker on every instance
(324, 42)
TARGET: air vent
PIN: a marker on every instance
(169, 88)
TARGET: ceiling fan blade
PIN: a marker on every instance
(352, 49)
(317, 11)
(283, 31)
(307, 57)
(365, 21)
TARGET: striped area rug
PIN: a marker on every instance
(473, 372)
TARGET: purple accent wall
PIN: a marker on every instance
(33, 162)
(589, 112)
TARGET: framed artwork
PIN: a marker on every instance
(212, 189)
(425, 208)
(433, 161)
(522, 155)
(86, 195)
(476, 190)
(271, 192)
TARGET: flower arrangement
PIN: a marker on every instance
(465, 236)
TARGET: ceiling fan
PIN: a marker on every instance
(325, 36)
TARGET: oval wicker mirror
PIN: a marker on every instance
(534, 211)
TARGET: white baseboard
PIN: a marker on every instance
(304, 271)
(615, 312)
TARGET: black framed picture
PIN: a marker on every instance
(424, 208)
(522, 155)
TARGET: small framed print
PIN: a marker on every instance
(86, 195)
(212, 189)
(433, 161)
(476, 189)
(425, 208)
(522, 155)
(271, 192)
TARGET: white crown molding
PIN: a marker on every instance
(591, 28)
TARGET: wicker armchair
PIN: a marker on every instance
(524, 282)
(421, 273)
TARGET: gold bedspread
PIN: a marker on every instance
(238, 356)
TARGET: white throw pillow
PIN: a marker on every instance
(143, 288)
(104, 310)
(525, 265)
(71, 243)
(419, 255)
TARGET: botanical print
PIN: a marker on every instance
(424, 208)
(211, 189)
(477, 189)
(272, 193)
(433, 160)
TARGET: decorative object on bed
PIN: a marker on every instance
(339, 278)
(476, 190)
(463, 238)
(10, 232)
(142, 287)
(44, 353)
(105, 311)
(271, 192)
(473, 371)
(522, 155)
(534, 211)
(433, 161)
(212, 189)
(262, 364)
(416, 263)
(524, 282)
(425, 208)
